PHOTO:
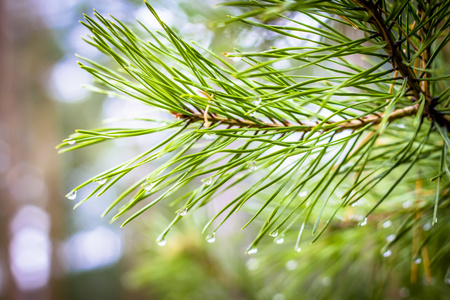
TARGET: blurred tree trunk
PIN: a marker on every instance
(28, 125)
(8, 122)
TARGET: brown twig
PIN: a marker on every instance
(391, 47)
(339, 126)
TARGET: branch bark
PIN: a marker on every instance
(339, 126)
(391, 47)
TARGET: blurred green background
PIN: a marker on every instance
(49, 251)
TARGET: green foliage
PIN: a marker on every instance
(330, 131)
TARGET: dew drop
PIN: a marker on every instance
(182, 212)
(252, 251)
(298, 249)
(162, 124)
(208, 181)
(355, 204)
(209, 136)
(313, 118)
(406, 204)
(447, 277)
(364, 222)
(211, 238)
(326, 281)
(278, 297)
(291, 265)
(252, 264)
(418, 261)
(70, 141)
(147, 185)
(390, 238)
(257, 101)
(220, 25)
(110, 94)
(235, 58)
(280, 240)
(101, 181)
(427, 226)
(161, 242)
(435, 221)
(72, 195)
(387, 253)
(274, 233)
(387, 224)
(303, 193)
(401, 125)
(252, 167)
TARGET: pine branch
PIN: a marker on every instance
(335, 126)
(296, 169)
(392, 47)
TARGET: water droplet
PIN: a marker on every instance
(298, 249)
(278, 297)
(401, 125)
(406, 204)
(211, 238)
(235, 58)
(101, 181)
(162, 124)
(387, 224)
(70, 141)
(274, 233)
(110, 94)
(252, 264)
(390, 238)
(435, 221)
(326, 281)
(313, 118)
(252, 167)
(291, 265)
(447, 276)
(209, 136)
(252, 250)
(355, 204)
(182, 212)
(147, 185)
(207, 181)
(418, 261)
(72, 195)
(387, 253)
(161, 242)
(427, 226)
(280, 240)
(257, 101)
(303, 193)
(220, 25)
(364, 222)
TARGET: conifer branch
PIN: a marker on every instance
(392, 47)
(298, 174)
(337, 126)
